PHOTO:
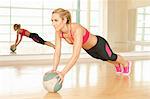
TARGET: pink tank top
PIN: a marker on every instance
(85, 37)
(23, 32)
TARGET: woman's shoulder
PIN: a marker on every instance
(23, 29)
(77, 26)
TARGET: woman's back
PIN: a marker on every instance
(89, 40)
(24, 32)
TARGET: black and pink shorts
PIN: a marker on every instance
(37, 38)
(102, 50)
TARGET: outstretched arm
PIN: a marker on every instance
(17, 36)
(57, 52)
(17, 42)
(78, 36)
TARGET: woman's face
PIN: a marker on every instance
(57, 22)
(15, 28)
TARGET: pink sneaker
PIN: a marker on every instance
(118, 69)
(127, 70)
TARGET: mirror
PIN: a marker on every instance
(36, 18)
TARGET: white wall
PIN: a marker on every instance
(118, 24)
(138, 3)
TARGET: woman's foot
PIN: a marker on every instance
(127, 69)
(118, 69)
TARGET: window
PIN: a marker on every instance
(35, 16)
(143, 24)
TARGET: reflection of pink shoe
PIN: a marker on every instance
(127, 70)
(118, 69)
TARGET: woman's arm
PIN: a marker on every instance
(78, 37)
(17, 42)
(57, 52)
(17, 37)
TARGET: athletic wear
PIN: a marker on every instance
(37, 38)
(118, 68)
(85, 37)
(33, 36)
(102, 50)
(127, 70)
(23, 32)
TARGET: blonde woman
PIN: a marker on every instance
(80, 37)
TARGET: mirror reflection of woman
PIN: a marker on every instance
(34, 36)
(80, 37)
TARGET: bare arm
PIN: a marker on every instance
(57, 52)
(17, 38)
(78, 36)
(17, 42)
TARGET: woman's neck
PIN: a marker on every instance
(66, 28)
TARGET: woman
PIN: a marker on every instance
(80, 37)
(34, 36)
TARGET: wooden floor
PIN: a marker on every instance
(88, 79)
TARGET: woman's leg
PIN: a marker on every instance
(122, 61)
(107, 54)
(49, 44)
(38, 39)
(119, 60)
(103, 51)
(117, 65)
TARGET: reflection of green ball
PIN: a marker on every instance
(51, 82)
(13, 48)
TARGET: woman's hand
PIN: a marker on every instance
(13, 46)
(61, 77)
(59, 74)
